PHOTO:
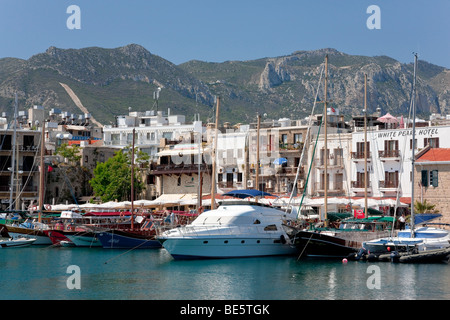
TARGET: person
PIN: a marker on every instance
(402, 222)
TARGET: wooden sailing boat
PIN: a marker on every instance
(133, 238)
(332, 242)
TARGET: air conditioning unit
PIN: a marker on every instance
(250, 183)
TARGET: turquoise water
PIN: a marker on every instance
(42, 273)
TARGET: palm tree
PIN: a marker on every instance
(424, 207)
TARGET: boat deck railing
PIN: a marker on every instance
(270, 231)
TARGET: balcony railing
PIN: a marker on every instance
(389, 153)
(333, 187)
(360, 184)
(333, 162)
(291, 146)
(360, 155)
(388, 184)
(180, 169)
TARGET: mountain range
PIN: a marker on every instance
(110, 82)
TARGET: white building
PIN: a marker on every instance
(231, 157)
(389, 158)
(150, 128)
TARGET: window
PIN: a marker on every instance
(284, 140)
(391, 179)
(360, 152)
(424, 180)
(298, 137)
(391, 148)
(432, 142)
(434, 178)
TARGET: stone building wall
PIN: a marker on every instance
(440, 195)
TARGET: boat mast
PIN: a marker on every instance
(258, 127)
(132, 182)
(213, 178)
(42, 173)
(199, 175)
(365, 147)
(325, 178)
(413, 145)
(11, 187)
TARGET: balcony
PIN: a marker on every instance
(336, 188)
(289, 171)
(337, 162)
(360, 156)
(179, 169)
(385, 155)
(387, 186)
(286, 147)
(358, 186)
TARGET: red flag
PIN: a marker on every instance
(50, 169)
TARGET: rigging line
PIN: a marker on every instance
(305, 143)
(305, 247)
(310, 167)
(70, 186)
(29, 175)
(106, 262)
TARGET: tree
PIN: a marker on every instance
(112, 179)
(71, 153)
(424, 207)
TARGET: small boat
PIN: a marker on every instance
(437, 255)
(424, 239)
(121, 239)
(84, 238)
(57, 237)
(412, 256)
(16, 243)
(29, 230)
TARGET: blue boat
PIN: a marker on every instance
(120, 239)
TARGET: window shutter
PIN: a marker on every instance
(425, 178)
(434, 178)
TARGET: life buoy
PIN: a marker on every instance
(47, 207)
(33, 208)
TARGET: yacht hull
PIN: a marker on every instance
(226, 247)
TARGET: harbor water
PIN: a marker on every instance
(61, 273)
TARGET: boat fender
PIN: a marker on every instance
(282, 239)
(395, 256)
(372, 257)
(360, 253)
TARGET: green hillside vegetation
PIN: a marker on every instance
(110, 81)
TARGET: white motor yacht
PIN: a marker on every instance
(235, 229)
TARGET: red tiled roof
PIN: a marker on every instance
(435, 154)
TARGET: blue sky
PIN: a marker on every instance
(216, 31)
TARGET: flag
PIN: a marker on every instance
(50, 169)
(332, 111)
